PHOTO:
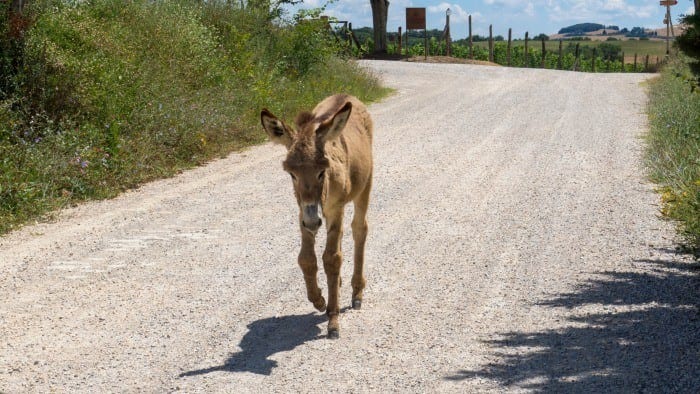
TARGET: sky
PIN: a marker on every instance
(533, 16)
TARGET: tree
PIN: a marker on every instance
(637, 32)
(609, 51)
(16, 6)
(380, 11)
(689, 41)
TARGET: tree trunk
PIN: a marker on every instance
(380, 11)
(16, 6)
(697, 7)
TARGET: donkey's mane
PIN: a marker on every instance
(303, 119)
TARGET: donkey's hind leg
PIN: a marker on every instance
(359, 235)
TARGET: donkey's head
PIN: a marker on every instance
(306, 160)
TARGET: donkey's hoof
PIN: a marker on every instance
(320, 304)
(333, 333)
(357, 304)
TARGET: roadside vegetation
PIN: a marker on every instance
(673, 151)
(101, 96)
(608, 56)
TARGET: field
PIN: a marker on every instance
(629, 47)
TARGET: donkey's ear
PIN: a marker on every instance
(276, 129)
(332, 128)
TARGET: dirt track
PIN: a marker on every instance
(514, 246)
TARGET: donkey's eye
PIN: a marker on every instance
(321, 175)
(294, 178)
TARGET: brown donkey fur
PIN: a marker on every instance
(329, 157)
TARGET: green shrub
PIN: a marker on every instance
(689, 41)
(111, 94)
(673, 153)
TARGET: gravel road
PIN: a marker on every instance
(514, 246)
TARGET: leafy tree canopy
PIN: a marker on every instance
(581, 28)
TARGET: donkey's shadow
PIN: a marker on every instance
(265, 338)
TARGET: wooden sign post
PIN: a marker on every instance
(668, 22)
(415, 19)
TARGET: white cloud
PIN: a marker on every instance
(603, 11)
(524, 7)
(313, 3)
(458, 13)
(508, 3)
(529, 9)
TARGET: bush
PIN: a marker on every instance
(689, 41)
(673, 153)
(111, 94)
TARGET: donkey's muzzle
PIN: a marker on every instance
(310, 219)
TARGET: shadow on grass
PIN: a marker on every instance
(265, 338)
(648, 340)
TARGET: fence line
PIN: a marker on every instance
(508, 54)
(513, 57)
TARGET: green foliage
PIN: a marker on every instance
(110, 94)
(673, 152)
(689, 41)
(608, 57)
(581, 28)
(609, 51)
(637, 32)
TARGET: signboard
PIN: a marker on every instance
(667, 3)
(415, 18)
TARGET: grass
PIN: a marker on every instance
(673, 152)
(107, 95)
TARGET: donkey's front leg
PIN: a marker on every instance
(332, 261)
(307, 262)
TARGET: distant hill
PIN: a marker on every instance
(581, 28)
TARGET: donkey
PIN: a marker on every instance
(329, 157)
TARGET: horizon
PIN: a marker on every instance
(533, 16)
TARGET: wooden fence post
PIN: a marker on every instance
(526, 55)
(491, 43)
(471, 44)
(646, 63)
(623, 62)
(510, 37)
(593, 60)
(544, 53)
(576, 59)
(559, 62)
(635, 62)
(408, 47)
(400, 40)
(425, 39)
(354, 39)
